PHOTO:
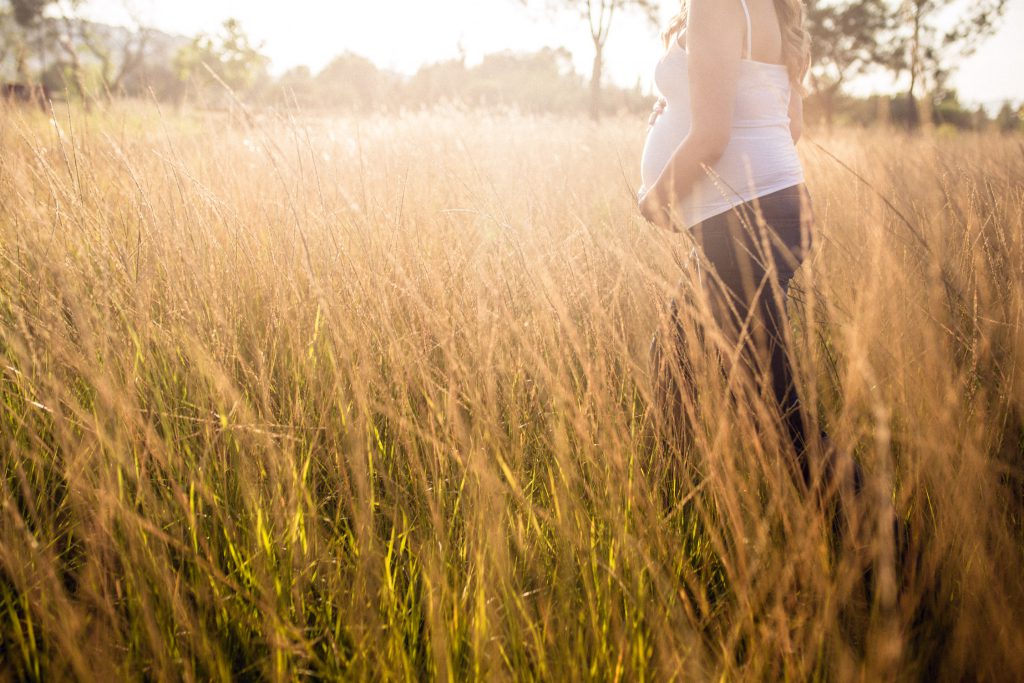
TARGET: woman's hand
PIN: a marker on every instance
(653, 207)
(657, 111)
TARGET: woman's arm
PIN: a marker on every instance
(714, 37)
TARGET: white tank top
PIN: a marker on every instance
(760, 158)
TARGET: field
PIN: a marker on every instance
(286, 397)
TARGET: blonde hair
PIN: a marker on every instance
(796, 43)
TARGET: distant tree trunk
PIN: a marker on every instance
(595, 82)
(599, 17)
(76, 72)
(911, 106)
(883, 114)
(828, 103)
(21, 62)
(913, 115)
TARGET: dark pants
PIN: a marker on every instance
(746, 258)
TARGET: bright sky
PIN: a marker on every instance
(404, 34)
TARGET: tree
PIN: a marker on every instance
(537, 81)
(350, 81)
(599, 15)
(439, 82)
(295, 87)
(56, 24)
(69, 34)
(99, 40)
(925, 49)
(847, 38)
(1010, 120)
(26, 15)
(28, 12)
(229, 57)
(9, 36)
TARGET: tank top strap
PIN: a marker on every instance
(750, 38)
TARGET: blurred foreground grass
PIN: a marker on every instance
(293, 397)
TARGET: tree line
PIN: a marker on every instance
(913, 42)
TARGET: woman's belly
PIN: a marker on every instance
(756, 161)
(663, 138)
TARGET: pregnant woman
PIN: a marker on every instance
(720, 162)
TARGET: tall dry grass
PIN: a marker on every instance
(286, 397)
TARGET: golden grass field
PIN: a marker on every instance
(288, 397)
